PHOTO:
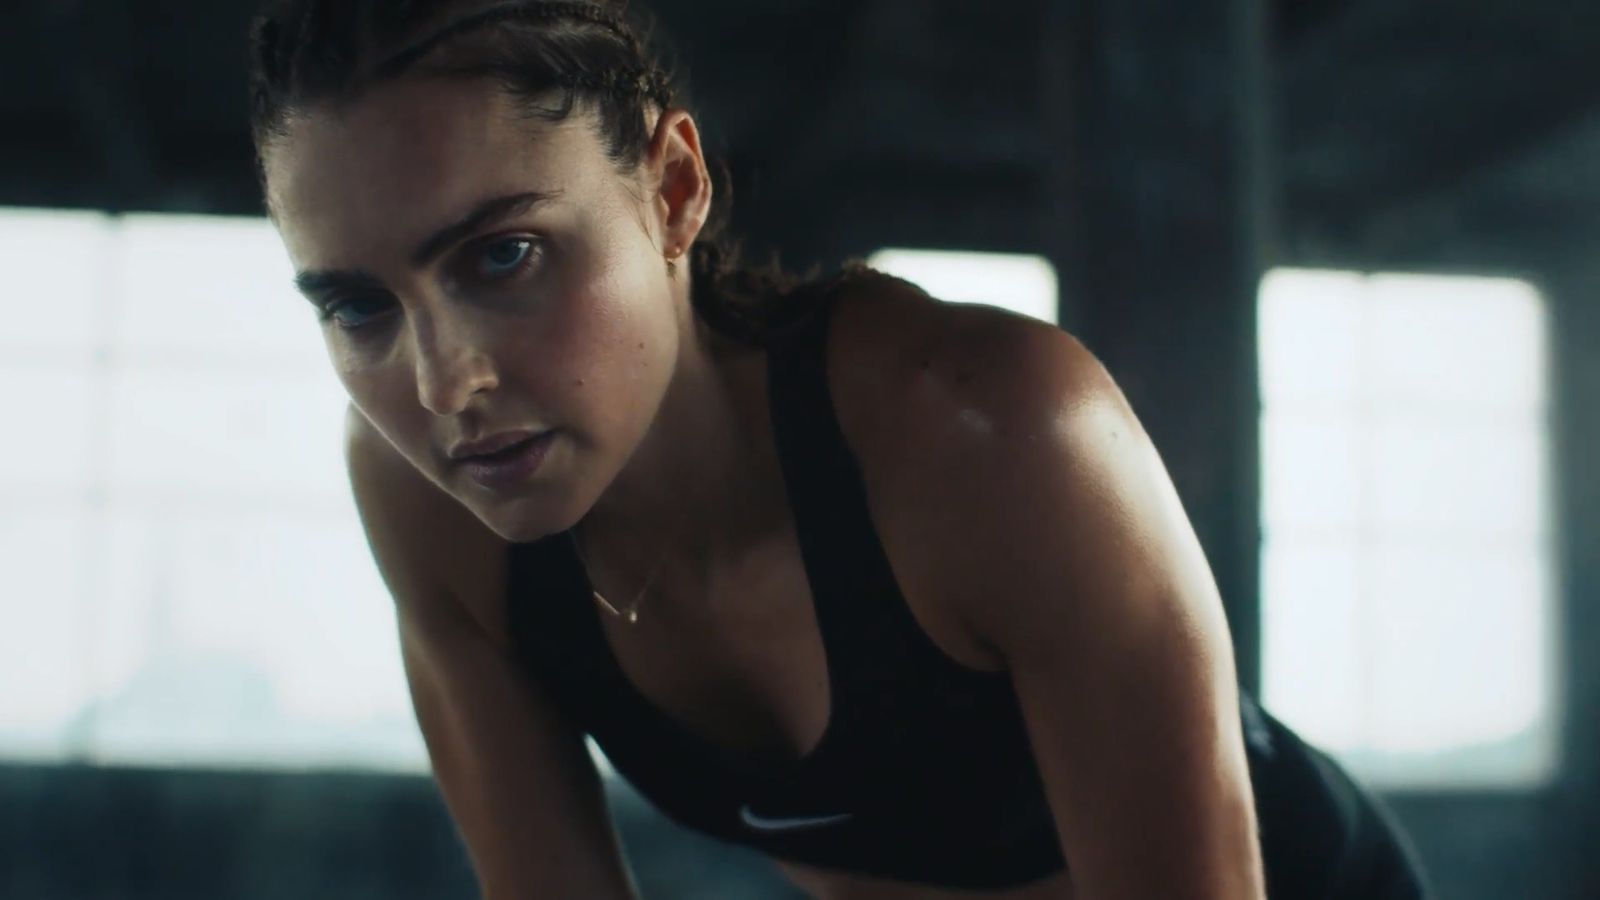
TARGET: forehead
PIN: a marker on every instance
(376, 173)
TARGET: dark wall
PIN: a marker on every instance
(1574, 290)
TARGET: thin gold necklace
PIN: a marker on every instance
(631, 614)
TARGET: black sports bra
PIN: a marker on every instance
(924, 773)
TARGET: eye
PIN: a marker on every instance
(504, 258)
(357, 311)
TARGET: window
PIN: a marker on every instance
(187, 581)
(1407, 569)
(1022, 284)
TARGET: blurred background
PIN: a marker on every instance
(1338, 253)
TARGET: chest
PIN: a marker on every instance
(738, 662)
(741, 661)
(812, 713)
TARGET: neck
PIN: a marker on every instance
(703, 485)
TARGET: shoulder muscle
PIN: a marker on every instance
(1033, 504)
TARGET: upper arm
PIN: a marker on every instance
(514, 773)
(1028, 499)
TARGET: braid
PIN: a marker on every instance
(650, 84)
(541, 11)
(329, 34)
(304, 50)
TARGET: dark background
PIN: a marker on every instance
(1161, 154)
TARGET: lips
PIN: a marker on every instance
(513, 461)
(490, 446)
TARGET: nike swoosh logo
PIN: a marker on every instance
(762, 823)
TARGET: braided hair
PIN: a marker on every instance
(310, 52)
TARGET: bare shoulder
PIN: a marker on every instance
(437, 559)
(964, 419)
(907, 368)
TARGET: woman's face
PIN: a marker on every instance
(483, 276)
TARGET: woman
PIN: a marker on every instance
(895, 591)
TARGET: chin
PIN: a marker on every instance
(521, 521)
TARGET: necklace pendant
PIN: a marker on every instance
(631, 616)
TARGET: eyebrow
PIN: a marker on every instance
(323, 281)
(483, 214)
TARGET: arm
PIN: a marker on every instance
(1023, 495)
(515, 775)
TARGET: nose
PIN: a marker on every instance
(452, 363)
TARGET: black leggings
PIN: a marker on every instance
(1322, 836)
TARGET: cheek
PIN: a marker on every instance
(362, 380)
(614, 340)
(387, 397)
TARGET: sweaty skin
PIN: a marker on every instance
(561, 315)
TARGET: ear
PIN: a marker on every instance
(682, 200)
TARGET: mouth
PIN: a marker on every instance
(491, 445)
(507, 461)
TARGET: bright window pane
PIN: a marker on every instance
(187, 582)
(1466, 482)
(44, 627)
(56, 265)
(1311, 348)
(1470, 346)
(249, 638)
(211, 287)
(1020, 283)
(1407, 594)
(1496, 640)
(51, 437)
(222, 433)
(1316, 483)
(1312, 637)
